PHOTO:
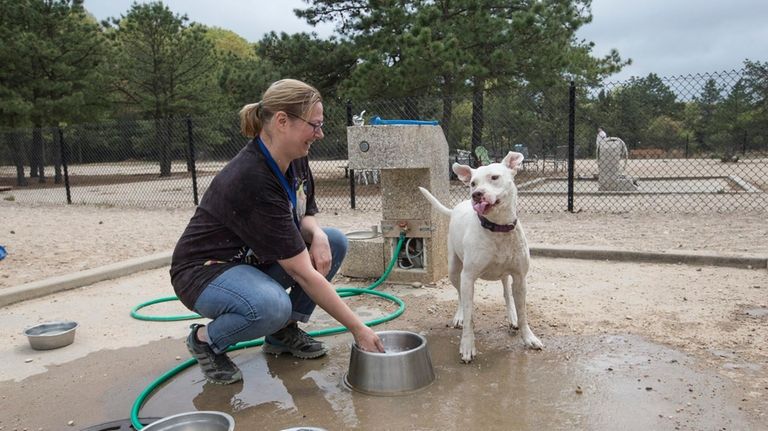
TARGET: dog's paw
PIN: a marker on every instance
(458, 321)
(533, 342)
(512, 318)
(468, 354)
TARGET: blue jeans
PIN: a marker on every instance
(246, 302)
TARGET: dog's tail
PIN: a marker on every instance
(436, 203)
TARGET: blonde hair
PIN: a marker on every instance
(288, 95)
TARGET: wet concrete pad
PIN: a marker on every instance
(596, 383)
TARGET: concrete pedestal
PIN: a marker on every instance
(409, 157)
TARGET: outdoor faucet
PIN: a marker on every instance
(358, 120)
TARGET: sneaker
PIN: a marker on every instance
(293, 340)
(217, 367)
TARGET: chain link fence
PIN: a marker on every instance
(697, 143)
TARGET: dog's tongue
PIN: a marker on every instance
(480, 207)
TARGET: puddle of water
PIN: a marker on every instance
(601, 383)
(759, 312)
(742, 366)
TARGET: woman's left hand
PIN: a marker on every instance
(320, 252)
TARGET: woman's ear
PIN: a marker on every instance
(280, 120)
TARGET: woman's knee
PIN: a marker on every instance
(247, 301)
(271, 316)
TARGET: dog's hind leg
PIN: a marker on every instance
(511, 312)
(454, 274)
(518, 292)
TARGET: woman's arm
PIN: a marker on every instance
(319, 249)
(310, 227)
(320, 290)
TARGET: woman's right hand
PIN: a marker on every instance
(367, 340)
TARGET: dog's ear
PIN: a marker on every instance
(464, 172)
(513, 160)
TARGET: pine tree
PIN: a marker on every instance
(164, 68)
(51, 52)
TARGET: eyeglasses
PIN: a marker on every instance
(315, 127)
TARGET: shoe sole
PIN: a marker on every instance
(200, 356)
(279, 350)
(236, 378)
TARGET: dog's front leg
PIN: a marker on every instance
(518, 292)
(466, 299)
(511, 312)
(455, 269)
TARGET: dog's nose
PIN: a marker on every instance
(477, 195)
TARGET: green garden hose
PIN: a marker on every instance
(342, 291)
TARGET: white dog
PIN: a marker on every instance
(486, 240)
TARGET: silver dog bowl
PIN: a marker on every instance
(194, 421)
(51, 335)
(404, 367)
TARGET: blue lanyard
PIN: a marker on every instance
(283, 180)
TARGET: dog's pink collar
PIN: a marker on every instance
(493, 227)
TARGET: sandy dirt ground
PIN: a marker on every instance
(44, 241)
(715, 316)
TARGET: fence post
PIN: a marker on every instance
(64, 156)
(571, 141)
(351, 171)
(191, 161)
(744, 144)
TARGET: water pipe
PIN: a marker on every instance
(377, 121)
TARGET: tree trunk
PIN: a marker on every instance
(32, 157)
(37, 162)
(478, 118)
(14, 143)
(57, 177)
(448, 111)
(163, 137)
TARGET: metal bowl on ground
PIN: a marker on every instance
(359, 235)
(403, 368)
(194, 421)
(51, 335)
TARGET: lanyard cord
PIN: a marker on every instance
(283, 180)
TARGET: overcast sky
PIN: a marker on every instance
(666, 37)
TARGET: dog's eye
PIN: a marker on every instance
(472, 184)
(494, 177)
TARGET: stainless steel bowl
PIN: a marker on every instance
(403, 368)
(51, 335)
(194, 421)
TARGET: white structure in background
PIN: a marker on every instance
(612, 155)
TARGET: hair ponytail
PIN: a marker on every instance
(250, 120)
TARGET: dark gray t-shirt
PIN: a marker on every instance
(244, 217)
